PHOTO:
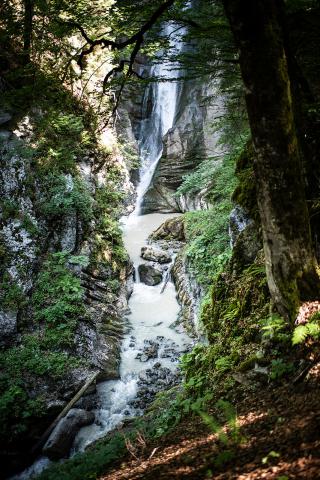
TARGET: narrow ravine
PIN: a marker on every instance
(153, 344)
(150, 349)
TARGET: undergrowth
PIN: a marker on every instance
(61, 135)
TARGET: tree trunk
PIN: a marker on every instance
(27, 29)
(290, 261)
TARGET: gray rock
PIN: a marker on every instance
(238, 221)
(149, 351)
(8, 325)
(246, 247)
(155, 255)
(60, 441)
(189, 295)
(5, 117)
(171, 229)
(149, 275)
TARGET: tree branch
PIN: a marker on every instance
(137, 38)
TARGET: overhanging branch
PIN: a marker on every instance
(136, 39)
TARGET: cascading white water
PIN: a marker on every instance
(163, 96)
(153, 311)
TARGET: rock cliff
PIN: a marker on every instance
(63, 269)
(185, 146)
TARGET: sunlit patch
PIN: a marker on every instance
(306, 310)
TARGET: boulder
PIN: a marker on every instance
(60, 441)
(5, 117)
(171, 229)
(155, 255)
(149, 275)
(8, 326)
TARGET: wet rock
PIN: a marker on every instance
(60, 441)
(152, 381)
(155, 255)
(88, 402)
(5, 117)
(149, 351)
(150, 275)
(238, 221)
(171, 229)
(8, 326)
(142, 357)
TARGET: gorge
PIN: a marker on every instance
(159, 225)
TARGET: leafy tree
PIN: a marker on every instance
(291, 265)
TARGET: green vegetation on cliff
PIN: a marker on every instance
(58, 210)
(65, 68)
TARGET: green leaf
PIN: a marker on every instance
(299, 334)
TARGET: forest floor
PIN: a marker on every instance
(281, 429)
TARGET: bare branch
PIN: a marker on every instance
(114, 45)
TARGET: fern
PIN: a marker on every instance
(273, 326)
(230, 415)
(301, 332)
(214, 426)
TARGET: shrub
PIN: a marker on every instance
(60, 200)
(11, 294)
(57, 300)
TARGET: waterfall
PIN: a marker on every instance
(163, 95)
(152, 346)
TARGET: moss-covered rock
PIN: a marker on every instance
(171, 229)
(245, 193)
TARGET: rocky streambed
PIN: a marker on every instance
(154, 339)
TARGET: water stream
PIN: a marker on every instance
(151, 319)
(153, 310)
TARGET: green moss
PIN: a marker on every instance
(245, 193)
(29, 225)
(231, 317)
(9, 209)
(248, 363)
(11, 294)
(58, 301)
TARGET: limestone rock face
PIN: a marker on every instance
(189, 294)
(171, 229)
(8, 326)
(60, 441)
(149, 275)
(155, 255)
(17, 211)
(29, 234)
(185, 146)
